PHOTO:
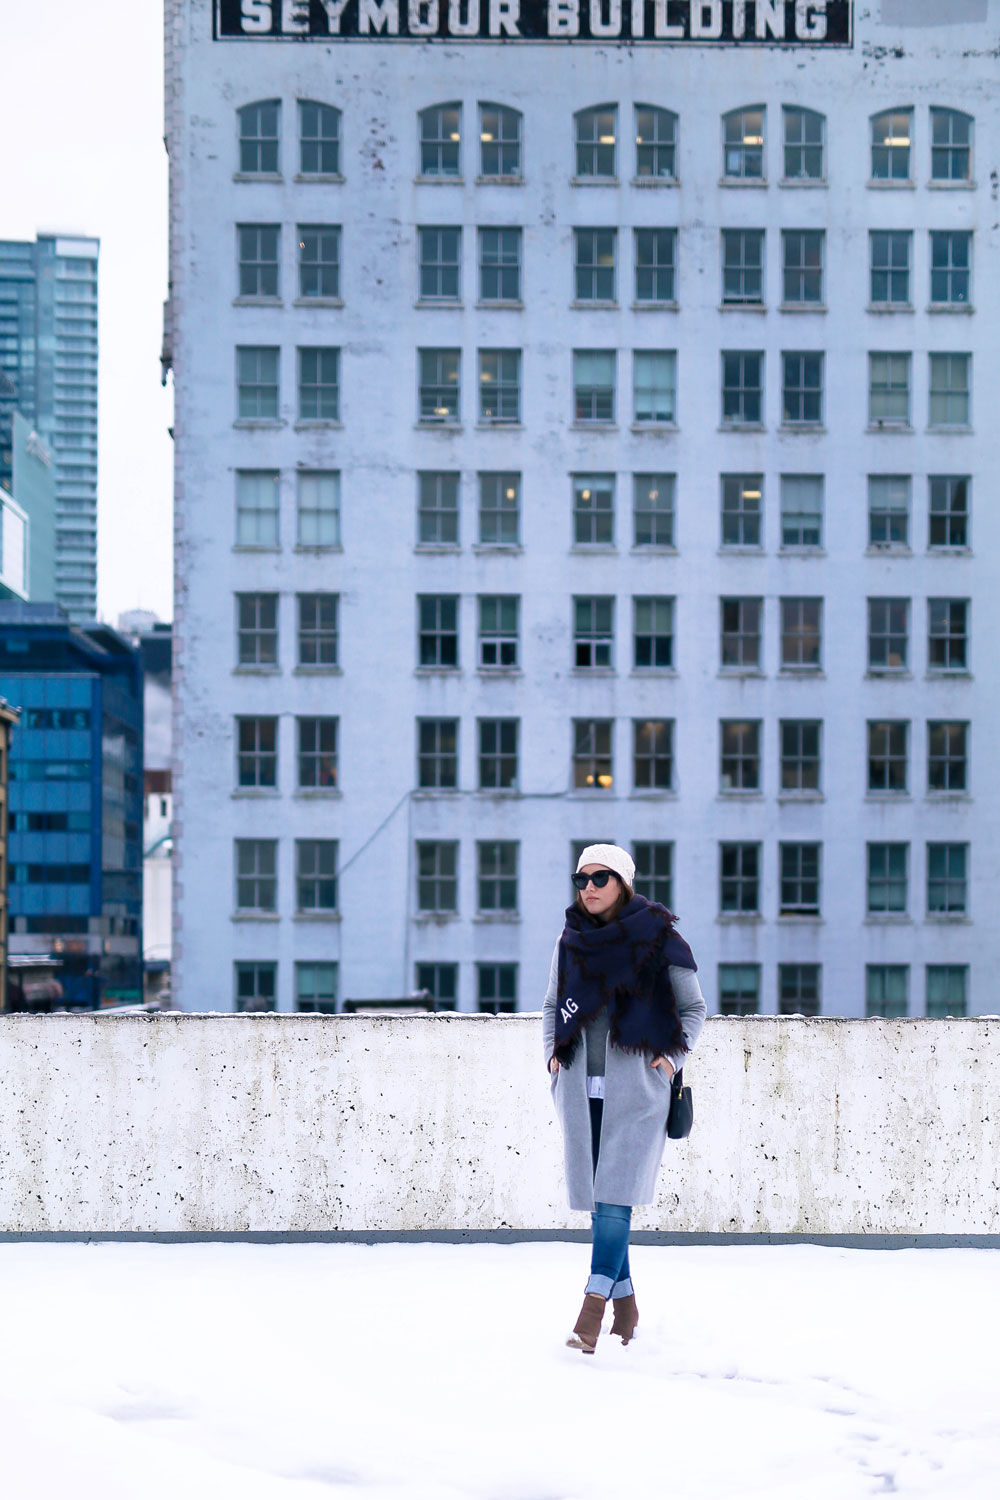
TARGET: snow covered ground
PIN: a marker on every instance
(438, 1372)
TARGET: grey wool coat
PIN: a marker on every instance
(636, 1104)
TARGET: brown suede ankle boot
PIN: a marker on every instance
(626, 1317)
(588, 1325)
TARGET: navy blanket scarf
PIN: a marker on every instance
(621, 964)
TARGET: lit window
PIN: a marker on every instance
(655, 142)
(499, 141)
(891, 137)
(743, 144)
(440, 140)
(596, 130)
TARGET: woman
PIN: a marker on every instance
(622, 1010)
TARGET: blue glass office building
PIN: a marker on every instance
(48, 372)
(75, 849)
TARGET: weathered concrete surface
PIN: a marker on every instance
(216, 1123)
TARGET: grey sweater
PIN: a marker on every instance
(690, 1007)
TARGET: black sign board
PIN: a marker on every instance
(775, 23)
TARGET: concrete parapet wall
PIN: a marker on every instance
(216, 1123)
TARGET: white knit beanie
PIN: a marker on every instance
(612, 858)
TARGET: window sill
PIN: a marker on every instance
(957, 430)
(254, 547)
(882, 184)
(254, 916)
(963, 308)
(801, 551)
(946, 674)
(487, 672)
(813, 427)
(803, 182)
(316, 916)
(882, 309)
(318, 671)
(886, 674)
(594, 549)
(498, 304)
(656, 673)
(252, 793)
(806, 673)
(799, 918)
(319, 548)
(437, 671)
(257, 177)
(438, 302)
(437, 549)
(949, 797)
(738, 794)
(653, 549)
(952, 185)
(485, 548)
(314, 793)
(888, 428)
(318, 302)
(319, 177)
(429, 424)
(593, 672)
(656, 429)
(653, 794)
(268, 423)
(792, 797)
(436, 793)
(949, 551)
(743, 182)
(605, 182)
(741, 672)
(307, 424)
(258, 302)
(888, 549)
(499, 426)
(595, 304)
(741, 427)
(250, 671)
(514, 181)
(593, 427)
(887, 797)
(655, 182)
(740, 918)
(650, 306)
(803, 307)
(751, 307)
(501, 792)
(511, 918)
(948, 919)
(435, 918)
(888, 919)
(441, 179)
(736, 550)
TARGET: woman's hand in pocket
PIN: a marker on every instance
(553, 1065)
(665, 1064)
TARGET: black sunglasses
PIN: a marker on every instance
(600, 879)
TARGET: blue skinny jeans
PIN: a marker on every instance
(609, 1270)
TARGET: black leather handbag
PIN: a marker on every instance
(681, 1116)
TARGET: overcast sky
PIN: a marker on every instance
(81, 150)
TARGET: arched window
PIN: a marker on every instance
(499, 141)
(951, 146)
(319, 139)
(655, 142)
(596, 132)
(440, 140)
(892, 132)
(260, 129)
(743, 143)
(805, 144)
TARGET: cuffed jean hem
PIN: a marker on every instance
(601, 1285)
(623, 1288)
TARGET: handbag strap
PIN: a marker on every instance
(677, 1081)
